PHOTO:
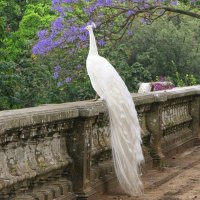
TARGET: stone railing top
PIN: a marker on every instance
(164, 95)
(11, 119)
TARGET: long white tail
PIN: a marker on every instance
(125, 139)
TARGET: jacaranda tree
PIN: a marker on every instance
(67, 39)
(111, 17)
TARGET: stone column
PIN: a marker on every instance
(80, 151)
(154, 124)
(195, 114)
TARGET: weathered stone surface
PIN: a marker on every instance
(25, 197)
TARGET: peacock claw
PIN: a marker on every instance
(96, 97)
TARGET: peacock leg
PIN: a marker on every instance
(96, 97)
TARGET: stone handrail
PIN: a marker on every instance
(62, 151)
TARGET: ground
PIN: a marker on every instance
(179, 180)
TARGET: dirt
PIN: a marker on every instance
(179, 180)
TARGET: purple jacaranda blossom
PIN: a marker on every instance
(71, 38)
(57, 6)
(68, 80)
(136, 1)
(59, 84)
(68, 32)
(82, 37)
(69, 1)
(143, 20)
(90, 9)
(42, 34)
(144, 6)
(108, 2)
(54, 2)
(82, 28)
(57, 24)
(130, 12)
(46, 45)
(155, 2)
(55, 75)
(53, 34)
(100, 14)
(58, 42)
(130, 32)
(100, 3)
(57, 68)
(43, 46)
(174, 3)
(101, 42)
(73, 29)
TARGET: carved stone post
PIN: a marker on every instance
(154, 124)
(195, 114)
(80, 151)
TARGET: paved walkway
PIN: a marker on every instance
(179, 180)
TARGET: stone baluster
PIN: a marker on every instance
(80, 152)
(154, 124)
(195, 114)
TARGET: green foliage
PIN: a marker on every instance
(10, 12)
(9, 81)
(135, 74)
(35, 17)
(187, 80)
(167, 47)
(80, 87)
(27, 85)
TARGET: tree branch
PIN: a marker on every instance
(166, 8)
(183, 12)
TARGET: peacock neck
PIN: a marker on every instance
(93, 46)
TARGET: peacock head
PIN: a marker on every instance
(91, 26)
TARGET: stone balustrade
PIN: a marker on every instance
(62, 151)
